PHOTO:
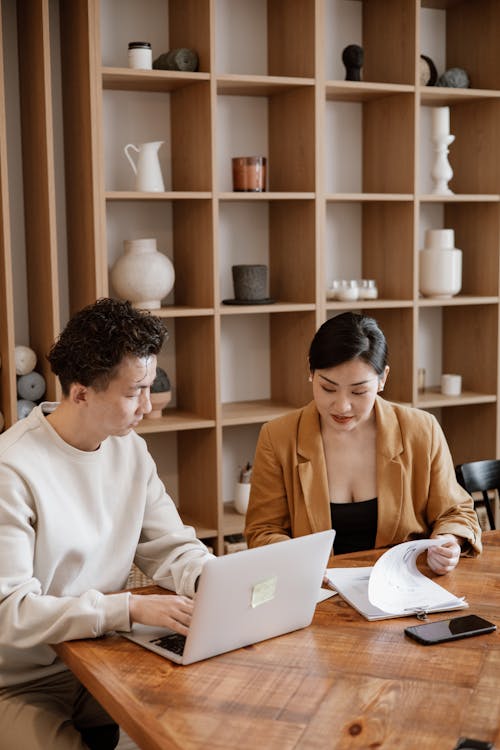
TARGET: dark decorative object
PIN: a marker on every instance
(161, 383)
(160, 394)
(428, 72)
(180, 58)
(353, 58)
(455, 78)
(250, 285)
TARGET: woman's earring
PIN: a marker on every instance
(310, 378)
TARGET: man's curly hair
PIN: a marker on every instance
(97, 338)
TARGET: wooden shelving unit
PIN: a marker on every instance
(340, 154)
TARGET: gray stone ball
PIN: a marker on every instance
(31, 386)
(455, 78)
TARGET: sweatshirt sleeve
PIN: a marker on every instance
(168, 550)
(29, 615)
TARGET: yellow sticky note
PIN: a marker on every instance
(264, 591)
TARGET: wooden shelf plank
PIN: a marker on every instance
(446, 96)
(459, 300)
(130, 79)
(365, 197)
(366, 304)
(169, 195)
(181, 311)
(232, 522)
(458, 198)
(246, 85)
(363, 91)
(265, 196)
(252, 412)
(174, 420)
(275, 307)
(202, 531)
(432, 398)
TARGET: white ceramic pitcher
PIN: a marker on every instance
(148, 177)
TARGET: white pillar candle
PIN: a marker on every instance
(440, 121)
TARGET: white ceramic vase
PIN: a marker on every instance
(440, 265)
(241, 496)
(143, 275)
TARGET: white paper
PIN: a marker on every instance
(394, 586)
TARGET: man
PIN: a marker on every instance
(80, 500)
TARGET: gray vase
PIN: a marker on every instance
(250, 282)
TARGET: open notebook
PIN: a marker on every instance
(247, 597)
(394, 586)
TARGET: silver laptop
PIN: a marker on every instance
(246, 597)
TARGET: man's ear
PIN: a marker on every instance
(78, 393)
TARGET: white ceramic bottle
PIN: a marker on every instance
(440, 265)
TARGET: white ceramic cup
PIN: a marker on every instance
(451, 384)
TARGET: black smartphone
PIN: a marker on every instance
(466, 743)
(440, 631)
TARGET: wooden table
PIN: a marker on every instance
(343, 683)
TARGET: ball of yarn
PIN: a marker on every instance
(31, 386)
(25, 359)
(24, 406)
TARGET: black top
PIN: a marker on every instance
(355, 525)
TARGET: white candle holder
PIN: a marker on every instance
(441, 172)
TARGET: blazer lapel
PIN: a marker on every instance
(389, 473)
(312, 470)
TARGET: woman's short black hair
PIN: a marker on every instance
(97, 338)
(345, 337)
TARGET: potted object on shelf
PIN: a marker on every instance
(160, 394)
(242, 489)
(142, 274)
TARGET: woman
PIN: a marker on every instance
(376, 472)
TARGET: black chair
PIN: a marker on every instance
(480, 476)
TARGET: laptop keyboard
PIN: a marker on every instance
(172, 642)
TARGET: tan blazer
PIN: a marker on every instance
(418, 494)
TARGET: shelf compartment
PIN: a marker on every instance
(184, 116)
(379, 235)
(387, 32)
(184, 232)
(264, 357)
(280, 127)
(356, 161)
(176, 23)
(471, 39)
(133, 195)
(280, 234)
(275, 38)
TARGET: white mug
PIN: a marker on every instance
(451, 384)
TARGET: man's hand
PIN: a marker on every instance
(166, 611)
(444, 558)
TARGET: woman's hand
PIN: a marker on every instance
(444, 558)
(167, 611)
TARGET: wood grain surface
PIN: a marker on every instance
(342, 683)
